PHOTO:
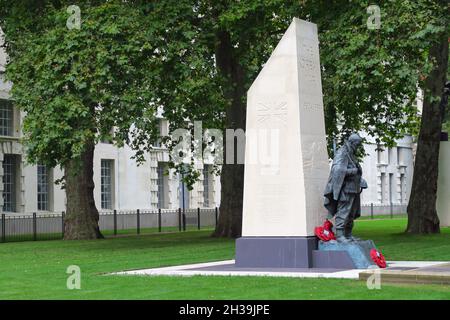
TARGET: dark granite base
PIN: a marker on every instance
(233, 268)
(332, 259)
(275, 252)
(302, 252)
(357, 253)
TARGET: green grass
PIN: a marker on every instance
(106, 233)
(384, 216)
(37, 270)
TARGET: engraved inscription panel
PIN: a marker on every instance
(271, 202)
(309, 67)
(312, 106)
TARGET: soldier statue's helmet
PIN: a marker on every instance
(355, 139)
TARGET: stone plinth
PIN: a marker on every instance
(285, 176)
(275, 252)
(351, 255)
(286, 160)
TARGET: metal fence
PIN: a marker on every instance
(392, 210)
(49, 226)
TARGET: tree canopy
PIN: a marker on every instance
(76, 85)
(197, 58)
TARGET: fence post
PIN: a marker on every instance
(216, 213)
(198, 218)
(34, 227)
(63, 214)
(371, 210)
(138, 222)
(179, 219)
(115, 222)
(159, 220)
(184, 220)
(392, 211)
(3, 227)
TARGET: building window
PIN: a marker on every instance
(206, 178)
(403, 188)
(383, 188)
(183, 193)
(106, 177)
(6, 118)
(391, 188)
(43, 187)
(9, 183)
(161, 186)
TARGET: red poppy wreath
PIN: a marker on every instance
(324, 232)
(378, 258)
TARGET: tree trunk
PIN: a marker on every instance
(422, 214)
(232, 176)
(82, 215)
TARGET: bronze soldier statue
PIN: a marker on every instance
(342, 192)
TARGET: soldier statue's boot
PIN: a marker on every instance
(348, 234)
(340, 236)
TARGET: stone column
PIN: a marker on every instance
(286, 160)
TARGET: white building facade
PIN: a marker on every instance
(119, 182)
(388, 172)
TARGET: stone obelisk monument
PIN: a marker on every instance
(283, 201)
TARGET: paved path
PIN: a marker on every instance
(437, 273)
(227, 268)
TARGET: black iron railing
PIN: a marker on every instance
(49, 226)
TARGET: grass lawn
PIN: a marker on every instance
(37, 270)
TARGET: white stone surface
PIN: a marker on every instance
(286, 199)
(189, 270)
(443, 190)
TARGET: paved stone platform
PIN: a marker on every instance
(228, 268)
(354, 254)
(438, 273)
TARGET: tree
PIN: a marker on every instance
(371, 78)
(209, 53)
(422, 214)
(75, 85)
(216, 49)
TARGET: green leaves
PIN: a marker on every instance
(76, 85)
(371, 77)
(130, 58)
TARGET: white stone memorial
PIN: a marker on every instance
(283, 201)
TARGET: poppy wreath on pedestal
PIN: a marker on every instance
(324, 232)
(378, 258)
(328, 225)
